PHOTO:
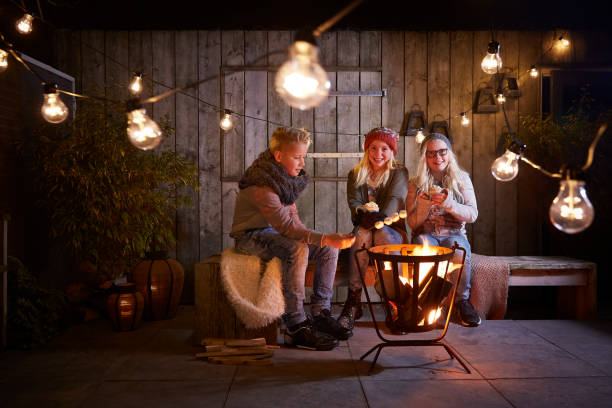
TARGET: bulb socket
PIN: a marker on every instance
(133, 104)
(306, 36)
(517, 147)
(493, 47)
(50, 88)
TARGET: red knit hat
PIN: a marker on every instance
(389, 136)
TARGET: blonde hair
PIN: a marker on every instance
(425, 180)
(285, 135)
(363, 171)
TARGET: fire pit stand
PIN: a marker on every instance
(413, 302)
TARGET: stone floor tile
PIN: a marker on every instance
(571, 331)
(591, 392)
(409, 363)
(524, 361)
(598, 355)
(172, 394)
(419, 393)
(496, 332)
(288, 393)
(48, 392)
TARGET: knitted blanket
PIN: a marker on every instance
(255, 292)
(489, 292)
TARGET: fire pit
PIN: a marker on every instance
(417, 284)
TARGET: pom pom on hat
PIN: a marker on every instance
(389, 136)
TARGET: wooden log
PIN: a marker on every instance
(238, 351)
(214, 316)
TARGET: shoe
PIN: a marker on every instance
(352, 310)
(305, 335)
(467, 315)
(325, 323)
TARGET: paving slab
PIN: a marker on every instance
(593, 392)
(423, 393)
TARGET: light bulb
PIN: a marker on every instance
(533, 71)
(505, 167)
(395, 217)
(226, 122)
(379, 224)
(492, 62)
(388, 221)
(53, 109)
(500, 96)
(3, 60)
(403, 214)
(571, 211)
(142, 131)
(301, 81)
(24, 24)
(564, 42)
(136, 84)
(465, 121)
(419, 137)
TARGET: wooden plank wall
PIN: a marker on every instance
(437, 72)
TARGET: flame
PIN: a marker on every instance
(434, 315)
(387, 265)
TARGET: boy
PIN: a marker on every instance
(266, 224)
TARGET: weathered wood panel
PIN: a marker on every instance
(279, 113)
(93, 66)
(438, 77)
(140, 58)
(116, 63)
(255, 96)
(187, 128)
(506, 193)
(393, 80)
(370, 55)
(211, 226)
(461, 97)
(67, 54)
(483, 155)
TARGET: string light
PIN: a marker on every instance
(571, 211)
(24, 24)
(492, 62)
(533, 71)
(226, 122)
(465, 121)
(564, 42)
(3, 60)
(505, 167)
(301, 82)
(53, 109)
(499, 95)
(142, 131)
(136, 84)
(419, 136)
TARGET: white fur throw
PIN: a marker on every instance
(257, 298)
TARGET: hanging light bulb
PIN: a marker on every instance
(226, 122)
(499, 95)
(505, 167)
(533, 71)
(465, 121)
(301, 81)
(571, 211)
(142, 131)
(419, 136)
(3, 60)
(24, 24)
(53, 109)
(136, 84)
(564, 42)
(492, 62)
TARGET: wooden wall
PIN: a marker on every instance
(438, 71)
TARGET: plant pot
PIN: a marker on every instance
(160, 280)
(125, 307)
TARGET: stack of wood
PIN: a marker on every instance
(237, 351)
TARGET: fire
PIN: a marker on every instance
(434, 315)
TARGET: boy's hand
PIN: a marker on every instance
(340, 241)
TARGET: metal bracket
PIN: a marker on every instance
(382, 93)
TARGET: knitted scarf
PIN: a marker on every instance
(265, 171)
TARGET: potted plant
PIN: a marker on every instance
(110, 202)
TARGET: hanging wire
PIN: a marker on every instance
(334, 19)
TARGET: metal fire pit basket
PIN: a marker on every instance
(413, 302)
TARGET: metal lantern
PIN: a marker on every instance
(418, 290)
(125, 307)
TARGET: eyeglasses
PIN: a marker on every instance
(433, 153)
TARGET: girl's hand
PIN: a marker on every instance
(439, 198)
(423, 196)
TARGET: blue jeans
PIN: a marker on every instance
(267, 243)
(447, 241)
(384, 236)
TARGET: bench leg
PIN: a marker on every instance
(579, 302)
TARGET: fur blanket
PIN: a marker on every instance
(489, 292)
(254, 291)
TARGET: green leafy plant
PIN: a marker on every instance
(109, 201)
(35, 314)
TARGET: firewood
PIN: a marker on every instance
(272, 346)
(238, 360)
(246, 343)
(215, 348)
(243, 351)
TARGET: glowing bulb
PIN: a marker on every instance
(533, 71)
(388, 221)
(301, 81)
(53, 109)
(24, 24)
(571, 211)
(3, 61)
(505, 167)
(492, 62)
(564, 42)
(136, 84)
(465, 121)
(226, 122)
(379, 224)
(500, 96)
(142, 131)
(395, 217)
(419, 137)
(403, 214)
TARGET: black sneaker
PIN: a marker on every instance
(327, 324)
(467, 315)
(305, 335)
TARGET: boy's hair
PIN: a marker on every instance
(286, 135)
